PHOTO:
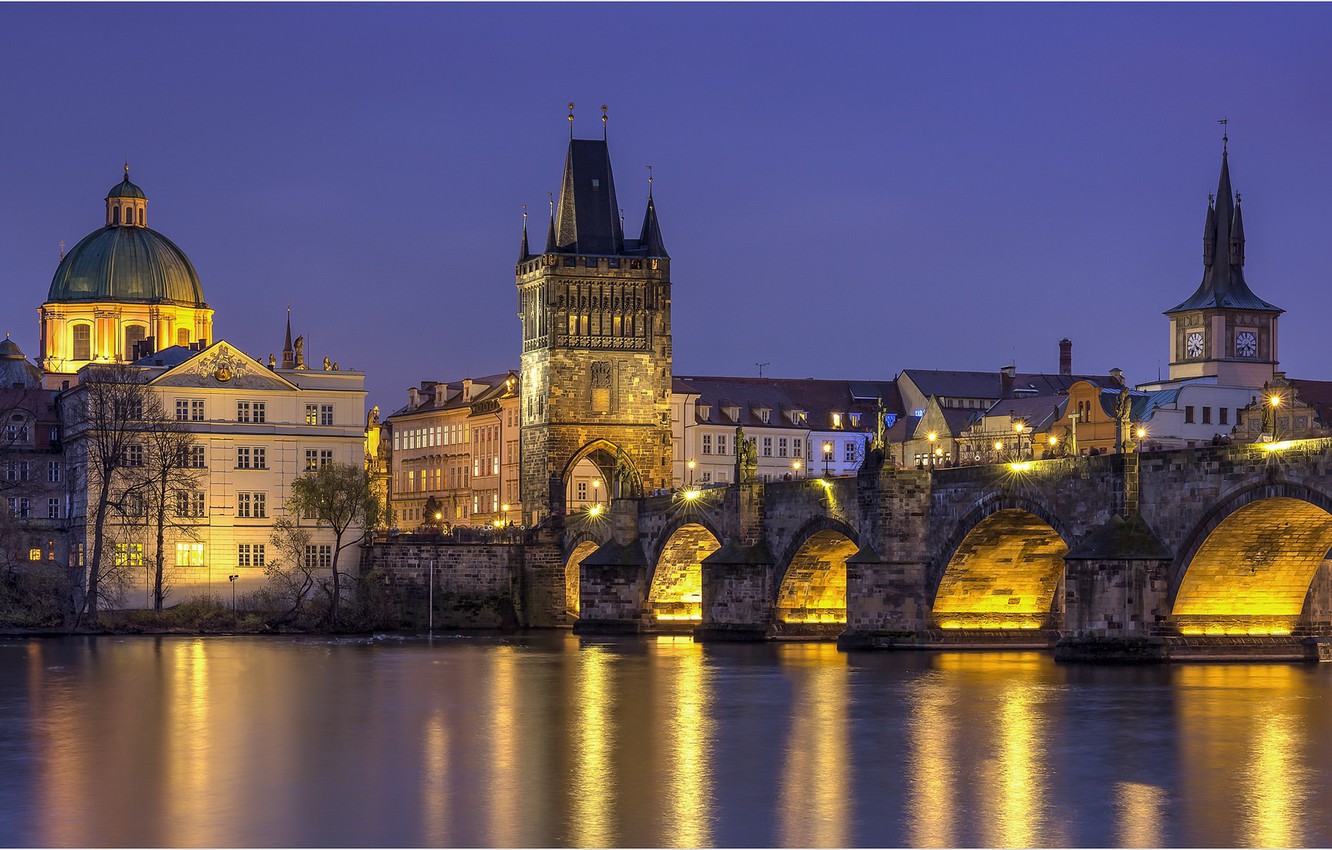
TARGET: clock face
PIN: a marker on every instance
(1193, 344)
(1246, 344)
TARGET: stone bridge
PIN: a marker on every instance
(1219, 551)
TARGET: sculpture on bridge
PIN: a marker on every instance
(746, 457)
(1123, 429)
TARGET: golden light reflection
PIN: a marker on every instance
(931, 789)
(506, 762)
(188, 743)
(1141, 811)
(816, 779)
(688, 806)
(434, 787)
(593, 792)
(1275, 811)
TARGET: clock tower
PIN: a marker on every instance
(1224, 332)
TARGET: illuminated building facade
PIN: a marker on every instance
(595, 308)
(33, 476)
(453, 454)
(121, 285)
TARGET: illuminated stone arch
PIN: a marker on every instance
(676, 583)
(580, 548)
(811, 582)
(1249, 565)
(602, 456)
(1002, 568)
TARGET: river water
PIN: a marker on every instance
(549, 740)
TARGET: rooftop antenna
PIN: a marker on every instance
(571, 120)
(1225, 133)
(603, 122)
(761, 365)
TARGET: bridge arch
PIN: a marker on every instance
(605, 470)
(577, 548)
(811, 574)
(676, 571)
(1249, 565)
(1003, 567)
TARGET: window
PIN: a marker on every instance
(707, 477)
(253, 505)
(190, 503)
(782, 446)
(1223, 415)
(763, 415)
(721, 444)
(581, 490)
(182, 336)
(83, 342)
(767, 446)
(134, 455)
(796, 448)
(707, 444)
(34, 554)
(19, 507)
(837, 420)
(250, 411)
(312, 418)
(855, 419)
(133, 505)
(53, 508)
(1188, 413)
(131, 554)
(196, 410)
(325, 414)
(16, 470)
(134, 335)
(250, 555)
(1207, 416)
(849, 452)
(315, 458)
(251, 457)
(196, 457)
(318, 557)
(189, 554)
(182, 410)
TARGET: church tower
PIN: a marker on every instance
(1224, 332)
(596, 359)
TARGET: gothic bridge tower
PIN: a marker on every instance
(1224, 332)
(596, 362)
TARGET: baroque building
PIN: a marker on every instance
(122, 284)
(595, 309)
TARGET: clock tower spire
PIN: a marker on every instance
(1224, 332)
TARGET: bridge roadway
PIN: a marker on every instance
(1209, 552)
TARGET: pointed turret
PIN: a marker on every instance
(1223, 283)
(523, 253)
(288, 353)
(587, 220)
(550, 234)
(650, 240)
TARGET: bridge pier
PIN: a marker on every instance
(738, 592)
(885, 603)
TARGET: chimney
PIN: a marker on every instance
(413, 398)
(467, 391)
(1065, 356)
(1006, 376)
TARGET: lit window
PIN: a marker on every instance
(189, 554)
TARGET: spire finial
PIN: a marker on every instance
(524, 216)
(649, 170)
(571, 119)
(622, 218)
(62, 249)
(603, 122)
(126, 168)
(550, 199)
(1225, 134)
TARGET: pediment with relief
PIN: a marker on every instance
(220, 366)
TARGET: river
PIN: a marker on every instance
(549, 740)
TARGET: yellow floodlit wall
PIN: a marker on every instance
(1003, 575)
(677, 583)
(814, 587)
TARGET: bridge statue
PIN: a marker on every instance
(622, 480)
(746, 457)
(1123, 429)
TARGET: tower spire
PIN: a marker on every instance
(523, 253)
(288, 353)
(550, 230)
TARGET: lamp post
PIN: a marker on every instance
(233, 593)
(933, 438)
(1274, 401)
(691, 471)
(827, 456)
(505, 508)
(1018, 428)
(795, 468)
(998, 450)
(596, 491)
(1142, 433)
(1054, 444)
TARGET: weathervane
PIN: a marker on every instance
(603, 122)
(1225, 133)
(649, 169)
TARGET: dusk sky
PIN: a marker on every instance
(845, 191)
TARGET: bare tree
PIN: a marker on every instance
(339, 496)
(289, 573)
(105, 420)
(168, 480)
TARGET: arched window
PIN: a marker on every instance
(129, 215)
(115, 215)
(133, 334)
(82, 342)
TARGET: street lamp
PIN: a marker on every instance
(827, 456)
(505, 507)
(933, 438)
(1018, 427)
(795, 468)
(1054, 443)
(233, 594)
(691, 472)
(998, 450)
(1274, 401)
(596, 491)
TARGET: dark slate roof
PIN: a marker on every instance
(587, 220)
(447, 395)
(1038, 411)
(169, 357)
(15, 369)
(953, 384)
(1223, 283)
(125, 189)
(818, 398)
(650, 239)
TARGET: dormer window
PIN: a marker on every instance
(855, 419)
(763, 414)
(596, 184)
(732, 413)
(837, 420)
(703, 411)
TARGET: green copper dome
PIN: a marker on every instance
(132, 264)
(126, 189)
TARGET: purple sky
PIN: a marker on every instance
(845, 191)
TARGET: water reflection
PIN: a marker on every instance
(593, 793)
(813, 810)
(931, 791)
(1140, 813)
(687, 784)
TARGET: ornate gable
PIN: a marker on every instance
(222, 365)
